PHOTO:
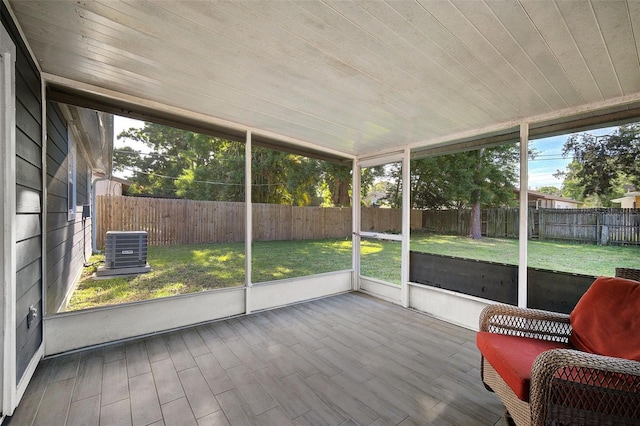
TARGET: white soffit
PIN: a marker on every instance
(357, 77)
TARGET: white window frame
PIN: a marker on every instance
(71, 176)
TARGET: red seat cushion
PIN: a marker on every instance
(512, 357)
(606, 320)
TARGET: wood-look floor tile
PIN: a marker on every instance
(236, 409)
(89, 380)
(167, 381)
(156, 349)
(113, 353)
(115, 382)
(194, 342)
(118, 413)
(214, 374)
(55, 403)
(178, 413)
(180, 354)
(225, 330)
(322, 413)
(223, 354)
(246, 356)
(199, 395)
(145, 405)
(214, 419)
(342, 399)
(286, 397)
(137, 359)
(274, 417)
(66, 368)
(258, 399)
(85, 412)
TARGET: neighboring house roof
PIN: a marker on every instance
(535, 194)
(542, 195)
(626, 196)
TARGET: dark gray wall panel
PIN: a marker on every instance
(28, 200)
(28, 197)
(28, 277)
(27, 149)
(27, 174)
(65, 242)
(27, 226)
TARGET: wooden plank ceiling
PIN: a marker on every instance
(356, 77)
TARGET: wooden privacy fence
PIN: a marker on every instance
(174, 221)
(596, 226)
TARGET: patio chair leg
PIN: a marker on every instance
(508, 418)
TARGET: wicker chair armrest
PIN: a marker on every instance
(570, 384)
(533, 323)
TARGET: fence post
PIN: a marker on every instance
(541, 224)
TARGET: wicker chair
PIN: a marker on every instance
(628, 273)
(567, 386)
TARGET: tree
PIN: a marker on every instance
(551, 190)
(467, 179)
(604, 160)
(196, 166)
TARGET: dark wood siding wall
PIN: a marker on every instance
(28, 200)
(66, 239)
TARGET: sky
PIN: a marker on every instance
(549, 159)
(541, 169)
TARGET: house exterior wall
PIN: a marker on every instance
(28, 222)
(564, 205)
(66, 239)
(108, 187)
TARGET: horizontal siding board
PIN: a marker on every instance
(57, 221)
(27, 149)
(27, 226)
(56, 124)
(27, 174)
(29, 298)
(30, 346)
(63, 248)
(61, 236)
(30, 103)
(55, 157)
(29, 124)
(28, 276)
(27, 200)
(56, 204)
(27, 251)
(57, 187)
(60, 279)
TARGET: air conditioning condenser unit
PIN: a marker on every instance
(125, 253)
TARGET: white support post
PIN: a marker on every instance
(248, 225)
(355, 225)
(8, 266)
(524, 215)
(406, 226)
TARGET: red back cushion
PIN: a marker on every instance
(606, 320)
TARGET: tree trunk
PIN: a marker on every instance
(475, 227)
(340, 196)
(476, 218)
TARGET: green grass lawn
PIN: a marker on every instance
(192, 268)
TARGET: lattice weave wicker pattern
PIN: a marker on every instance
(532, 323)
(628, 273)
